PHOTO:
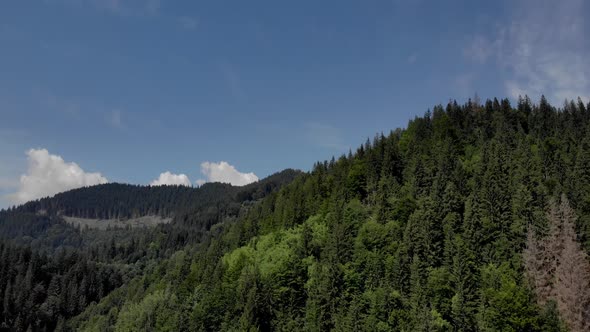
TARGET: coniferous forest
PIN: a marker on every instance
(475, 217)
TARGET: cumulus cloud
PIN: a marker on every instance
(168, 178)
(49, 174)
(226, 173)
(542, 49)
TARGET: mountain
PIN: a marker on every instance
(52, 269)
(194, 209)
(472, 218)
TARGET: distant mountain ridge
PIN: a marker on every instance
(191, 209)
(53, 266)
(120, 200)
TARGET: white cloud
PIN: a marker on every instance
(226, 173)
(168, 178)
(49, 174)
(542, 49)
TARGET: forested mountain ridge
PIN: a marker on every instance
(196, 209)
(52, 270)
(446, 225)
(119, 200)
(419, 230)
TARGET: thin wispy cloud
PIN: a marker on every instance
(233, 81)
(152, 6)
(62, 105)
(464, 84)
(189, 23)
(325, 136)
(116, 7)
(541, 49)
(82, 109)
(478, 50)
(114, 119)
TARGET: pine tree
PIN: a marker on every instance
(463, 276)
(579, 183)
(8, 302)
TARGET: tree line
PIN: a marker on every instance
(52, 270)
(422, 229)
(446, 225)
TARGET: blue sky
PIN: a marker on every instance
(131, 89)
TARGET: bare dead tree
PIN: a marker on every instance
(572, 275)
(559, 269)
(539, 277)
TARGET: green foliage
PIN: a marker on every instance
(156, 311)
(505, 301)
(418, 230)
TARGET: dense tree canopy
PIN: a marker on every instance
(44, 256)
(422, 229)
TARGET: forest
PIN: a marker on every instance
(475, 217)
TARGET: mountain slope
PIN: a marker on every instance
(51, 270)
(194, 209)
(419, 230)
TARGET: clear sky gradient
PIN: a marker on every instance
(132, 89)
